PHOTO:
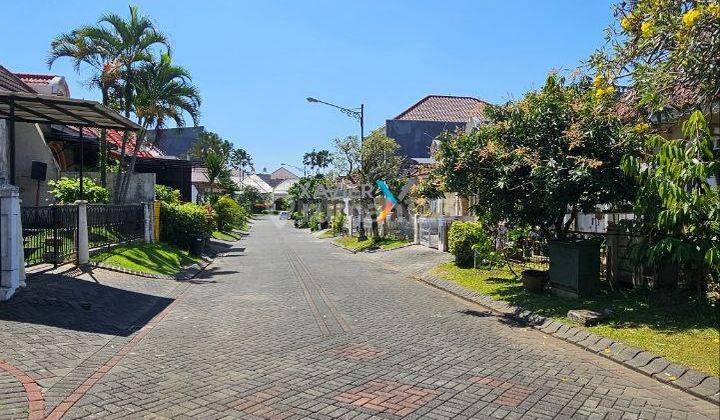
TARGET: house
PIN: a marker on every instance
(416, 129)
(275, 185)
(176, 142)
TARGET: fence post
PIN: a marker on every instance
(442, 235)
(416, 229)
(83, 250)
(10, 240)
(147, 222)
(156, 221)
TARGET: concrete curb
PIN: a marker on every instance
(650, 364)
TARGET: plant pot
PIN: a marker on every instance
(197, 245)
(534, 281)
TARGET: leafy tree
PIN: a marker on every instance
(112, 49)
(346, 157)
(667, 50)
(167, 194)
(552, 153)
(379, 159)
(677, 207)
(163, 92)
(240, 159)
(209, 142)
(67, 191)
(317, 160)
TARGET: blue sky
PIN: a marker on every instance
(256, 62)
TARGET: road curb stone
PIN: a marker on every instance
(650, 364)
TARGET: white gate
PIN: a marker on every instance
(429, 232)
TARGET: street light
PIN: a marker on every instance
(358, 114)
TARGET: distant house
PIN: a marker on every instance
(275, 184)
(416, 130)
(176, 142)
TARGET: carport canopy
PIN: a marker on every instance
(48, 109)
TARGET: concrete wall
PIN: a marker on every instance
(415, 137)
(30, 146)
(141, 189)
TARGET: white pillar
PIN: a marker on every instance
(83, 250)
(416, 229)
(442, 235)
(10, 240)
(147, 223)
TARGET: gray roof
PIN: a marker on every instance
(272, 182)
(175, 141)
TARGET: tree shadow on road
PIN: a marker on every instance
(57, 300)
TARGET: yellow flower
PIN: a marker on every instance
(714, 9)
(626, 23)
(690, 17)
(599, 93)
(646, 28)
(599, 81)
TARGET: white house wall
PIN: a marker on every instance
(30, 145)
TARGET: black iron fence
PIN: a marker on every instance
(111, 224)
(49, 234)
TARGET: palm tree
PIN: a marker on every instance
(163, 92)
(240, 160)
(114, 49)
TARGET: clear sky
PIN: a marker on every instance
(255, 62)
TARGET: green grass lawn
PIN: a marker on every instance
(383, 243)
(226, 236)
(157, 258)
(326, 234)
(669, 323)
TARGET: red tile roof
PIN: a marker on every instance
(8, 81)
(115, 138)
(444, 108)
(40, 79)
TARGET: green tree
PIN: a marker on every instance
(552, 153)
(317, 160)
(678, 209)
(209, 142)
(163, 92)
(114, 48)
(346, 157)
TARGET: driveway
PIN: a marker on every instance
(289, 326)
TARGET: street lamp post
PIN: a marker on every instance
(358, 114)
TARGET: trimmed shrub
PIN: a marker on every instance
(167, 194)
(230, 215)
(316, 220)
(179, 223)
(461, 239)
(337, 223)
(67, 191)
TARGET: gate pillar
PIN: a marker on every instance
(10, 240)
(83, 249)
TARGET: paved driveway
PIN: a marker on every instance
(289, 326)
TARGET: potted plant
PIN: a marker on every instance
(534, 281)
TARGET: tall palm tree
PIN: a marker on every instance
(163, 93)
(114, 48)
(240, 159)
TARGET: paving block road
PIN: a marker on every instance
(286, 325)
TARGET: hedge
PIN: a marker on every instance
(179, 223)
(230, 214)
(461, 238)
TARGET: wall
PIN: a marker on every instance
(4, 147)
(415, 137)
(141, 189)
(29, 146)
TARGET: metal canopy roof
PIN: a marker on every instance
(34, 108)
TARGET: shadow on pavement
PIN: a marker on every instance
(61, 301)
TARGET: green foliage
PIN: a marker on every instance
(167, 194)
(316, 220)
(180, 223)
(230, 215)
(337, 223)
(678, 209)
(317, 160)
(461, 239)
(67, 190)
(379, 160)
(249, 196)
(210, 143)
(535, 160)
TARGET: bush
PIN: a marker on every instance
(461, 239)
(179, 223)
(167, 194)
(337, 223)
(230, 215)
(67, 190)
(316, 220)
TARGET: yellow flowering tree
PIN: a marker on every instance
(667, 49)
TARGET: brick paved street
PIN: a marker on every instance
(289, 326)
